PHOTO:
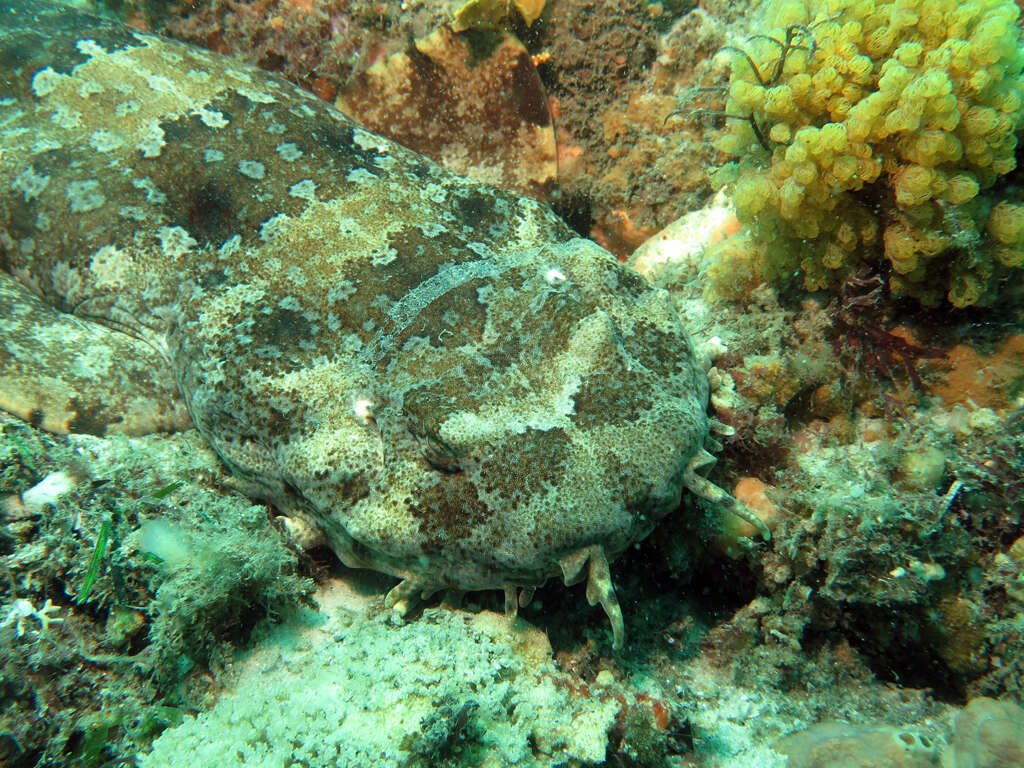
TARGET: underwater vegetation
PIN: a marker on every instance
(877, 132)
(124, 576)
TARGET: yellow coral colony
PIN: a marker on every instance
(881, 130)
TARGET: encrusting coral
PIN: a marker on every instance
(877, 130)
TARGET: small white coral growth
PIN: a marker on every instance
(23, 610)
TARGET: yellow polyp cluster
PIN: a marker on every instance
(881, 130)
(1006, 226)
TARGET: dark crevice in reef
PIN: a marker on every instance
(898, 648)
(576, 211)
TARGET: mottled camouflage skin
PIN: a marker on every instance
(436, 374)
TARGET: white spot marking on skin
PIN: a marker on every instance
(175, 241)
(152, 141)
(289, 151)
(153, 195)
(366, 140)
(296, 276)
(212, 156)
(302, 111)
(289, 302)
(340, 291)
(44, 145)
(133, 212)
(160, 84)
(251, 168)
(196, 53)
(90, 47)
(434, 192)
(360, 176)
(211, 117)
(432, 229)
(259, 97)
(126, 107)
(363, 410)
(238, 74)
(384, 258)
(270, 227)
(64, 117)
(198, 75)
(111, 267)
(13, 136)
(105, 141)
(305, 190)
(555, 276)
(172, 56)
(85, 195)
(89, 88)
(30, 183)
(230, 247)
(44, 82)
